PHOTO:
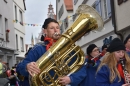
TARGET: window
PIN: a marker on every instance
(75, 1)
(6, 28)
(16, 41)
(61, 11)
(74, 17)
(61, 27)
(105, 9)
(1, 34)
(98, 7)
(22, 45)
(6, 24)
(21, 17)
(66, 22)
(15, 8)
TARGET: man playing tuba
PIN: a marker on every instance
(28, 66)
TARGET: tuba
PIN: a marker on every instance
(64, 57)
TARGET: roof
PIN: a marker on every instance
(69, 5)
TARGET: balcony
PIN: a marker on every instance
(16, 52)
(2, 42)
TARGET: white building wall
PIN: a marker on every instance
(19, 29)
(122, 14)
(20, 3)
(7, 47)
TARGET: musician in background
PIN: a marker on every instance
(110, 71)
(28, 65)
(104, 50)
(127, 44)
(86, 75)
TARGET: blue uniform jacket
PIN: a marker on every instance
(79, 76)
(102, 78)
(85, 76)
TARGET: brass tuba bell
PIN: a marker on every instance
(64, 57)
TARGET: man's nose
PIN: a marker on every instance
(55, 29)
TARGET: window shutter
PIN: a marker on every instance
(98, 7)
(109, 8)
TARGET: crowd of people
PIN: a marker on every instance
(8, 76)
(101, 68)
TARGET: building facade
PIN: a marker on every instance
(64, 12)
(122, 19)
(18, 11)
(99, 38)
(7, 41)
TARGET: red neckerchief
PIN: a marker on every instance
(50, 40)
(120, 69)
(102, 54)
(96, 59)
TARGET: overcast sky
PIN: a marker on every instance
(36, 13)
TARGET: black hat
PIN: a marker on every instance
(115, 45)
(104, 46)
(47, 21)
(127, 38)
(90, 48)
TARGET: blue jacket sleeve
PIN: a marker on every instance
(102, 77)
(78, 76)
(34, 54)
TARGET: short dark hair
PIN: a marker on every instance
(127, 38)
(47, 21)
(104, 46)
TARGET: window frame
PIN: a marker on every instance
(61, 11)
(21, 44)
(21, 17)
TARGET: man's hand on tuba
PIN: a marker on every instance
(32, 68)
(65, 80)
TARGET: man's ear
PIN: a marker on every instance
(44, 31)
